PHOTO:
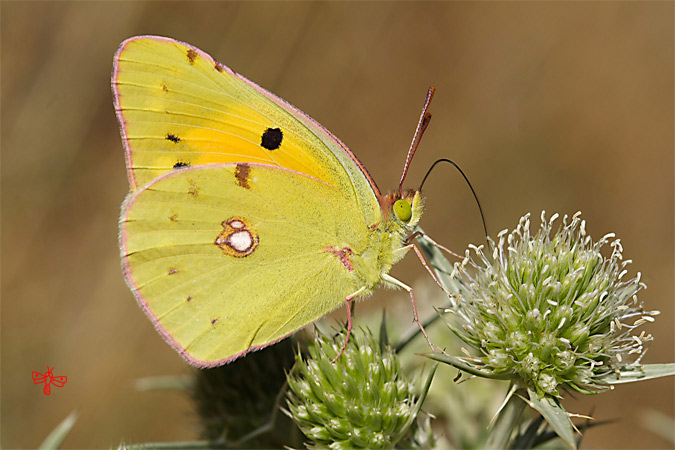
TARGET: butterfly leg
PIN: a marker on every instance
(394, 281)
(349, 320)
(424, 262)
(432, 242)
(426, 237)
(426, 266)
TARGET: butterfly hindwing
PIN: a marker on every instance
(227, 258)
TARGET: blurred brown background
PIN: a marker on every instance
(555, 106)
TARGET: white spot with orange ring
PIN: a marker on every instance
(238, 238)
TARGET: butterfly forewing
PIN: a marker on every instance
(178, 107)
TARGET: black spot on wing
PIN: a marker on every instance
(181, 165)
(172, 137)
(271, 138)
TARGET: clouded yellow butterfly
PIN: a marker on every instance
(246, 220)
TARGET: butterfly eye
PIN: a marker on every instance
(402, 210)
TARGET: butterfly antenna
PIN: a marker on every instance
(482, 216)
(422, 125)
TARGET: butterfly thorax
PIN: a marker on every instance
(386, 244)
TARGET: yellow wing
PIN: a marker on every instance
(178, 107)
(229, 258)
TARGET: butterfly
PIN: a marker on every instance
(48, 378)
(246, 219)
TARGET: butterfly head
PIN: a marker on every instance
(405, 209)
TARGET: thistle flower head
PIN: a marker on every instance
(362, 400)
(549, 311)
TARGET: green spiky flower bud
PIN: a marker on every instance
(362, 400)
(549, 310)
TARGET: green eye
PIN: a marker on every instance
(402, 210)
